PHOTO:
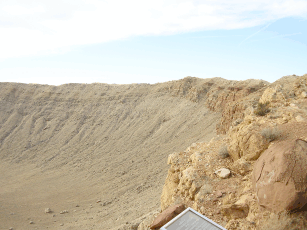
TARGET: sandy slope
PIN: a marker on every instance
(75, 144)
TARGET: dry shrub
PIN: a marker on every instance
(223, 152)
(262, 109)
(271, 134)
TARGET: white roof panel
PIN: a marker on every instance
(189, 219)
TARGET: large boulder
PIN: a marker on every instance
(167, 215)
(280, 176)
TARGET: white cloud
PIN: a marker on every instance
(36, 27)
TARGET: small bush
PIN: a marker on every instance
(271, 134)
(223, 152)
(262, 109)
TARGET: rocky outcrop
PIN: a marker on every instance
(300, 86)
(245, 140)
(272, 95)
(195, 175)
(280, 176)
(231, 98)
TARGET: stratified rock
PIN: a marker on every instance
(223, 173)
(280, 176)
(167, 215)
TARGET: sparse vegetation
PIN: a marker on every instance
(262, 109)
(271, 134)
(223, 152)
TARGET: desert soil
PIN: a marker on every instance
(98, 151)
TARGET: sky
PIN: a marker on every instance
(139, 41)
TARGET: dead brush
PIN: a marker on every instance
(262, 109)
(223, 152)
(271, 134)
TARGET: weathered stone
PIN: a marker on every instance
(218, 194)
(235, 211)
(245, 140)
(272, 95)
(63, 212)
(223, 173)
(172, 158)
(197, 157)
(48, 210)
(167, 215)
(190, 182)
(203, 191)
(239, 209)
(242, 166)
(171, 183)
(299, 118)
(280, 176)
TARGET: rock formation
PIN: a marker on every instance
(280, 176)
(267, 158)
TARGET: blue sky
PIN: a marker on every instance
(57, 42)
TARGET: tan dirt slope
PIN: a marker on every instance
(99, 151)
